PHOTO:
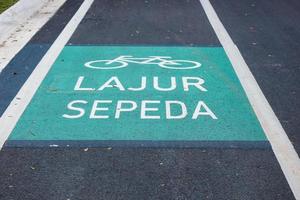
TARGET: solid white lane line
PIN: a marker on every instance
(24, 96)
(281, 145)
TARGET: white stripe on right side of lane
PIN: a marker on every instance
(281, 145)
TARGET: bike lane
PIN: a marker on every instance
(167, 110)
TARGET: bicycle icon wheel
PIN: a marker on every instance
(180, 64)
(105, 64)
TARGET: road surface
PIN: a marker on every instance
(151, 100)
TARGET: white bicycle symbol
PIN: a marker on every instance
(161, 61)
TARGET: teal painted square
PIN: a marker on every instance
(43, 119)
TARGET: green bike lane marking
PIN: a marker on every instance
(147, 99)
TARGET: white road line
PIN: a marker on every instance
(281, 145)
(14, 111)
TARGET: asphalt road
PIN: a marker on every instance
(267, 36)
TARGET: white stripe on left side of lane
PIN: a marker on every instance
(17, 106)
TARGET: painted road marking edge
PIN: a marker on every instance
(281, 145)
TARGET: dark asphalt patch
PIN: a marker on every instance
(267, 34)
(137, 173)
(18, 70)
(148, 22)
(14, 75)
(140, 143)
